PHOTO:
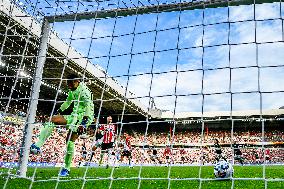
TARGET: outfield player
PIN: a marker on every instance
(238, 153)
(154, 157)
(256, 157)
(76, 123)
(84, 154)
(182, 154)
(167, 154)
(109, 135)
(204, 155)
(127, 149)
(98, 139)
(218, 151)
(267, 155)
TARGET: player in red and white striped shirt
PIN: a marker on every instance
(109, 135)
(127, 149)
(109, 131)
(267, 155)
(167, 154)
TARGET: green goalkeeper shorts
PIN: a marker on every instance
(73, 121)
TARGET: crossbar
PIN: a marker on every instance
(122, 12)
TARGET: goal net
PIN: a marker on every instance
(187, 84)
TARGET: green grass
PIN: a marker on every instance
(124, 177)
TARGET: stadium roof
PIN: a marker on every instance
(22, 32)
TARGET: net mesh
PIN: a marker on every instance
(174, 75)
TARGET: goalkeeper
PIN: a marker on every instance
(76, 122)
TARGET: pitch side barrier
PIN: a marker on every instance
(30, 164)
(183, 165)
(45, 164)
(11, 119)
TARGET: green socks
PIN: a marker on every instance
(101, 158)
(45, 132)
(69, 154)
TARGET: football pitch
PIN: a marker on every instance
(186, 177)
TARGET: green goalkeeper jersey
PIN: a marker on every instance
(83, 103)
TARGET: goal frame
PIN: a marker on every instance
(101, 14)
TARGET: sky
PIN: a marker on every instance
(174, 77)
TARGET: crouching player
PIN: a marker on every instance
(76, 122)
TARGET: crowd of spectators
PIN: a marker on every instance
(195, 137)
(185, 146)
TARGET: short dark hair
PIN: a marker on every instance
(73, 77)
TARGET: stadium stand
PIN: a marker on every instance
(186, 144)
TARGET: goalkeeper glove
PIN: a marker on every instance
(58, 112)
(84, 121)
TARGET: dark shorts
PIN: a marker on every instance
(218, 156)
(219, 152)
(84, 155)
(167, 157)
(106, 146)
(238, 157)
(126, 153)
(153, 157)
